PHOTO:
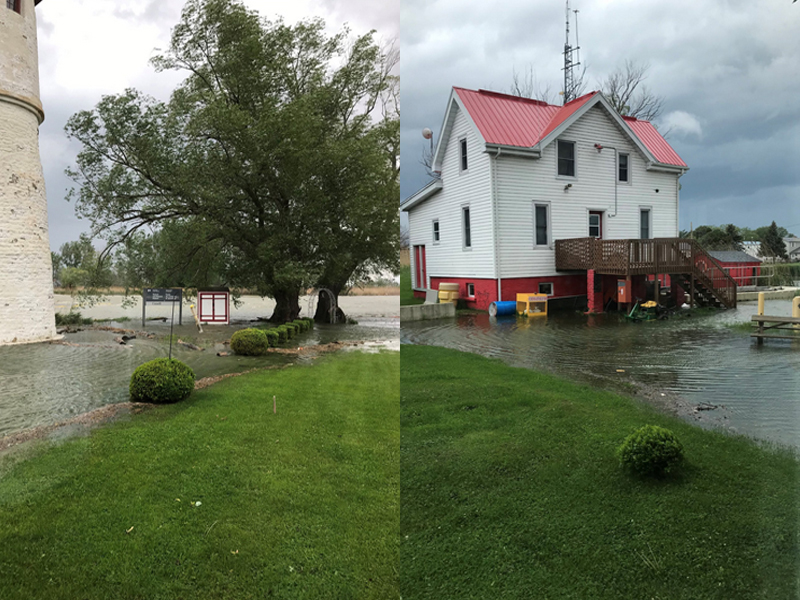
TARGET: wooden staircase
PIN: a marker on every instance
(684, 260)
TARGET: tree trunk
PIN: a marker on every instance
(287, 307)
(324, 305)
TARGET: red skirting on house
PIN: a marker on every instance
(486, 289)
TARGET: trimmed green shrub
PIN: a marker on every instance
(289, 331)
(72, 318)
(282, 335)
(273, 337)
(249, 342)
(651, 450)
(302, 324)
(294, 327)
(161, 381)
(310, 322)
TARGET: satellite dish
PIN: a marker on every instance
(427, 133)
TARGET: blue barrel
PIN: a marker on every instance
(498, 309)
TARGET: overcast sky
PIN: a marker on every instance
(90, 49)
(728, 70)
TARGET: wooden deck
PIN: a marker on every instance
(680, 258)
(775, 323)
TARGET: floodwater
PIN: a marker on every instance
(680, 364)
(42, 384)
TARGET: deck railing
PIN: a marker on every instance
(670, 256)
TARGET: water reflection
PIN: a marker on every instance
(45, 383)
(700, 359)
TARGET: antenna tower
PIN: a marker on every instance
(571, 60)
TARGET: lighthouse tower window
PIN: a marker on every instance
(13, 5)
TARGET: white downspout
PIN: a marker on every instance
(494, 225)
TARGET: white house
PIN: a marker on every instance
(516, 177)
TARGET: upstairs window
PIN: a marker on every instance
(436, 231)
(566, 158)
(623, 168)
(467, 229)
(540, 225)
(463, 146)
(13, 5)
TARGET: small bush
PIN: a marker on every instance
(651, 450)
(290, 332)
(72, 318)
(273, 337)
(303, 325)
(161, 381)
(310, 322)
(249, 342)
(281, 332)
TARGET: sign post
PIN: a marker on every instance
(161, 296)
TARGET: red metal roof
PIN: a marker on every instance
(650, 137)
(514, 121)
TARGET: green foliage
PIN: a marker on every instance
(213, 162)
(302, 324)
(78, 264)
(283, 335)
(406, 292)
(161, 381)
(651, 450)
(290, 330)
(772, 243)
(72, 318)
(273, 337)
(249, 342)
(784, 273)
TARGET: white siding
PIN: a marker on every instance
(522, 182)
(449, 258)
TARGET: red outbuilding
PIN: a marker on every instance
(744, 268)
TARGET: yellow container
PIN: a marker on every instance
(532, 305)
(448, 292)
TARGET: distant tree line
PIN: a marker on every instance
(731, 237)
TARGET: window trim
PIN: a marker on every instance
(466, 227)
(472, 295)
(437, 232)
(627, 168)
(463, 155)
(535, 204)
(600, 213)
(574, 159)
(552, 291)
(649, 210)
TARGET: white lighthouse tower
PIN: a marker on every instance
(27, 309)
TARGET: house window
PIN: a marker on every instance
(13, 5)
(540, 225)
(467, 230)
(594, 225)
(546, 288)
(623, 168)
(470, 290)
(436, 231)
(644, 220)
(463, 145)
(566, 158)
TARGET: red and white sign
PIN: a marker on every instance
(214, 307)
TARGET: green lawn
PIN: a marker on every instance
(304, 504)
(406, 293)
(511, 489)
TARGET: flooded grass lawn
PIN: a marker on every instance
(686, 362)
(511, 489)
(217, 497)
(41, 384)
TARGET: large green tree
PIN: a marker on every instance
(254, 155)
